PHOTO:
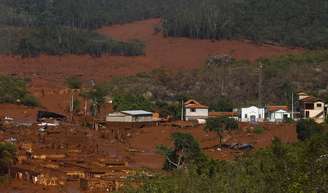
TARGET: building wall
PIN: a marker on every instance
(125, 118)
(143, 118)
(198, 114)
(129, 118)
(278, 116)
(247, 113)
(316, 111)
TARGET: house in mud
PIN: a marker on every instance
(133, 116)
(195, 110)
(311, 108)
(277, 113)
(252, 114)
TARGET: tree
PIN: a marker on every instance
(186, 150)
(14, 90)
(219, 125)
(131, 101)
(7, 155)
(306, 128)
(74, 83)
(97, 96)
(222, 104)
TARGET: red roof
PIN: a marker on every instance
(310, 99)
(194, 104)
(277, 108)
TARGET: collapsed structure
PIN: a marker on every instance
(68, 154)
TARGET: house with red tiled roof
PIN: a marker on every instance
(311, 108)
(277, 113)
(195, 110)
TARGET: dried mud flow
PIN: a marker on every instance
(170, 53)
(48, 73)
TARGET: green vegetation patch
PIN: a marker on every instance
(13, 90)
(293, 22)
(56, 40)
(282, 168)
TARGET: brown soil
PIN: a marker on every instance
(48, 73)
(170, 53)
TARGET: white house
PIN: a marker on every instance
(130, 116)
(194, 110)
(252, 114)
(277, 113)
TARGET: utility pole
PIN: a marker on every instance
(72, 104)
(292, 105)
(260, 85)
(182, 110)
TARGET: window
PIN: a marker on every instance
(307, 114)
(319, 105)
(309, 106)
(245, 116)
(260, 117)
(193, 110)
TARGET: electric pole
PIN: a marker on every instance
(292, 105)
(260, 85)
(182, 110)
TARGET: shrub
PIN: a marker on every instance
(7, 155)
(14, 90)
(259, 130)
(30, 100)
(73, 82)
(306, 128)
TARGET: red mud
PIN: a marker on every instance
(170, 53)
(48, 72)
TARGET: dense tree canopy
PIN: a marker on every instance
(293, 22)
(32, 27)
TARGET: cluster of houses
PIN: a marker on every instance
(307, 107)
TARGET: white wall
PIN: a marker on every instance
(317, 110)
(247, 113)
(199, 113)
(123, 118)
(129, 118)
(278, 116)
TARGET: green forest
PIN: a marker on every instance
(299, 23)
(26, 23)
(32, 27)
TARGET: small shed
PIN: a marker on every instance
(130, 116)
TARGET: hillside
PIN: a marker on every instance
(169, 53)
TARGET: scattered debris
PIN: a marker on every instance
(44, 115)
(238, 146)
